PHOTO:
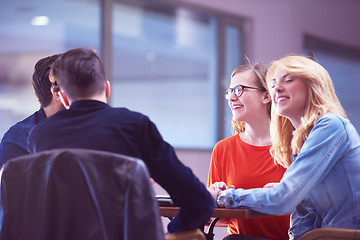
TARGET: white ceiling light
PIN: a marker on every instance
(40, 21)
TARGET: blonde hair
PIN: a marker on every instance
(259, 72)
(286, 140)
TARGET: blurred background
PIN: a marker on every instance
(172, 59)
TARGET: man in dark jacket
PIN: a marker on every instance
(91, 123)
(14, 141)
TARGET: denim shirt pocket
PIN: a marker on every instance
(303, 219)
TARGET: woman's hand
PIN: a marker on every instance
(218, 186)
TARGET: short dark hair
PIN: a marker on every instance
(79, 73)
(40, 80)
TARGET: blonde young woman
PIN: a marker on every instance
(244, 160)
(317, 144)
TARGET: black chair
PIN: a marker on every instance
(78, 194)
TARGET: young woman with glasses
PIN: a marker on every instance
(243, 160)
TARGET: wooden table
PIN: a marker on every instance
(170, 212)
(218, 213)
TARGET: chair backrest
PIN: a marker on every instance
(331, 234)
(78, 194)
(195, 234)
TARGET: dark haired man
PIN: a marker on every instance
(91, 123)
(14, 141)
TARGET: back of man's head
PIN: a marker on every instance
(41, 82)
(79, 73)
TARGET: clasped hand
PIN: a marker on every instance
(215, 188)
(218, 186)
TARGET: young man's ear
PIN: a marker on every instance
(64, 100)
(56, 95)
(107, 89)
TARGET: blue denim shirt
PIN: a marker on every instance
(14, 141)
(321, 188)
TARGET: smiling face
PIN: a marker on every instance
(247, 106)
(289, 94)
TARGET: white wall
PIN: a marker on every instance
(278, 26)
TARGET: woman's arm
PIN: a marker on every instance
(323, 148)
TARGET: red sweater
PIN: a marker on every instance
(246, 166)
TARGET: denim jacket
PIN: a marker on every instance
(321, 188)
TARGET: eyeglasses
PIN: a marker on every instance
(238, 90)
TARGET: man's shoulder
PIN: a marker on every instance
(127, 113)
(27, 123)
(21, 128)
(17, 132)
